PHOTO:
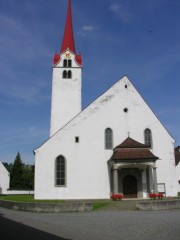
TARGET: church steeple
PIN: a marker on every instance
(68, 38)
(66, 79)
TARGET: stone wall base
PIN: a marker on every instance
(47, 207)
(158, 205)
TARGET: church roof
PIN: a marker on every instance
(68, 38)
(130, 150)
(131, 143)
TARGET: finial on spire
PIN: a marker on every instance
(68, 38)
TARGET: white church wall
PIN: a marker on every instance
(166, 172)
(4, 179)
(178, 176)
(66, 94)
(87, 172)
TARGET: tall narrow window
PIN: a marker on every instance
(69, 63)
(60, 171)
(148, 137)
(69, 74)
(65, 63)
(108, 138)
(64, 74)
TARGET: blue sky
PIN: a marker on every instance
(137, 38)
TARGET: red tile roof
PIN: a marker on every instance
(131, 143)
(130, 150)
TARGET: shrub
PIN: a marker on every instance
(117, 196)
(156, 195)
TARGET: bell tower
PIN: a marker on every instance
(66, 80)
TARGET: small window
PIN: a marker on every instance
(60, 171)
(148, 137)
(76, 139)
(69, 63)
(64, 74)
(108, 138)
(69, 74)
(65, 63)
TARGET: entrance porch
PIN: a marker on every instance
(134, 180)
(133, 170)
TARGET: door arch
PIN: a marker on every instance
(130, 186)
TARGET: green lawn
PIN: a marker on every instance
(101, 205)
(27, 198)
(97, 204)
(30, 198)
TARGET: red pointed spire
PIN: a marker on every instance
(68, 39)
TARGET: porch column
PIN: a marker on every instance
(155, 178)
(151, 181)
(115, 179)
(144, 183)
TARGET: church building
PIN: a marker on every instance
(115, 145)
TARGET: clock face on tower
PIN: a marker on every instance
(67, 55)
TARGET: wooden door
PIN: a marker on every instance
(130, 187)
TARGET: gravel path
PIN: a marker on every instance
(98, 225)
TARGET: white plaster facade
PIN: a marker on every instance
(178, 176)
(87, 174)
(63, 107)
(4, 179)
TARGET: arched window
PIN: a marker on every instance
(69, 74)
(60, 171)
(69, 63)
(64, 74)
(108, 138)
(65, 63)
(148, 137)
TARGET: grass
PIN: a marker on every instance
(100, 205)
(30, 198)
(97, 204)
(27, 198)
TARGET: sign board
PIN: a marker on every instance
(161, 188)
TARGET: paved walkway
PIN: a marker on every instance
(98, 225)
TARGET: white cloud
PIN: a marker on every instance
(87, 28)
(122, 12)
(114, 8)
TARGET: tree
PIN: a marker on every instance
(16, 178)
(8, 166)
(28, 177)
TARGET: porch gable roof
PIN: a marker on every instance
(133, 151)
